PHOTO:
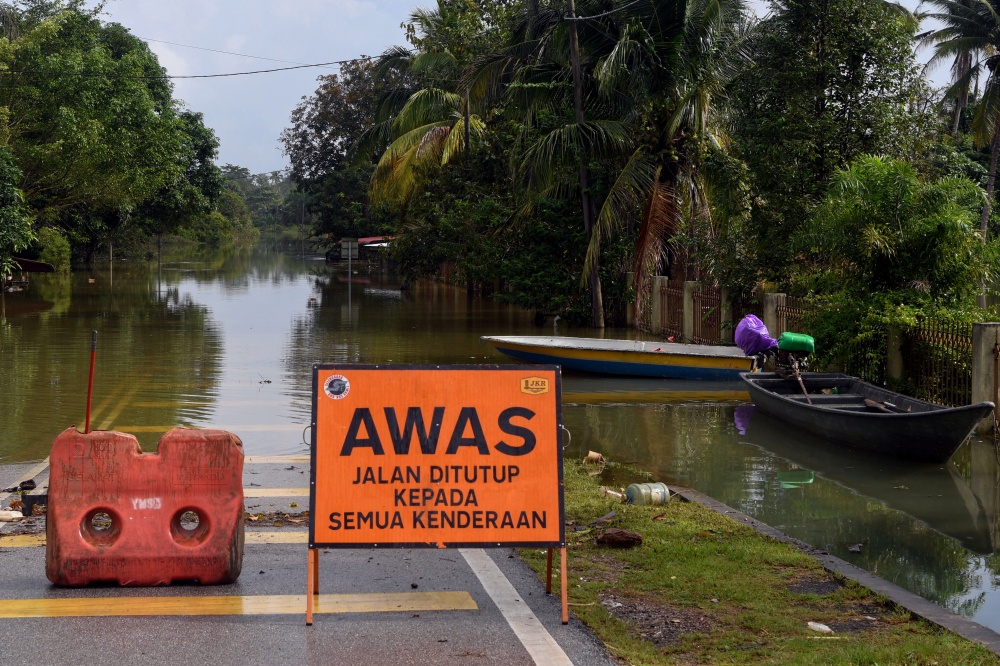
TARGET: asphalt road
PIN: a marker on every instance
(510, 620)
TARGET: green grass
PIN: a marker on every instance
(705, 589)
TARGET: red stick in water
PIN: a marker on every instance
(90, 383)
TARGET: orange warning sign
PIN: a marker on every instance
(409, 456)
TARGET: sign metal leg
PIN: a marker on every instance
(563, 584)
(312, 583)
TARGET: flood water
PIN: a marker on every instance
(228, 341)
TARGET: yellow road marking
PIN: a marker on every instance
(173, 403)
(260, 538)
(275, 492)
(288, 604)
(123, 403)
(23, 541)
(250, 460)
(291, 536)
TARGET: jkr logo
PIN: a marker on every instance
(534, 385)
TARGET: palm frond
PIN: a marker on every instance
(435, 64)
(455, 145)
(426, 106)
(986, 122)
(564, 146)
(659, 224)
(624, 201)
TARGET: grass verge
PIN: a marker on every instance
(704, 589)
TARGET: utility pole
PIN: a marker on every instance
(596, 299)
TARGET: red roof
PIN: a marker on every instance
(374, 239)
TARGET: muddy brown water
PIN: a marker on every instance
(227, 340)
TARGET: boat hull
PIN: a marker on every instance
(627, 357)
(929, 433)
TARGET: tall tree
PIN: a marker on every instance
(88, 116)
(427, 119)
(324, 128)
(833, 79)
(963, 54)
(971, 29)
(195, 188)
(673, 63)
(653, 77)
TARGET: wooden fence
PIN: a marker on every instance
(933, 360)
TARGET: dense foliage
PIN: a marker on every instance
(531, 144)
(830, 81)
(103, 151)
(887, 247)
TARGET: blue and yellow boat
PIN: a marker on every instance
(636, 358)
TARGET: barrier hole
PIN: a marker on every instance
(101, 522)
(190, 521)
(189, 527)
(101, 527)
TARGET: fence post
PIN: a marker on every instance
(690, 287)
(894, 354)
(656, 305)
(726, 325)
(770, 314)
(985, 339)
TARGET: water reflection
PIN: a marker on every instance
(929, 529)
(44, 358)
(934, 494)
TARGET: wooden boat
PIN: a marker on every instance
(637, 358)
(849, 411)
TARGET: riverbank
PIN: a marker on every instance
(705, 588)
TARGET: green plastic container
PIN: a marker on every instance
(796, 342)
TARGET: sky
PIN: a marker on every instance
(249, 112)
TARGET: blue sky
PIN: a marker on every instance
(249, 112)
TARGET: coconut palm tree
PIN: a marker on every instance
(962, 60)
(546, 69)
(971, 31)
(660, 69)
(426, 119)
(673, 61)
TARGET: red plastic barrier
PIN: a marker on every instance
(116, 514)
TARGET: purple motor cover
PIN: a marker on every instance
(752, 336)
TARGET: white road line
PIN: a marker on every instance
(529, 630)
(31, 474)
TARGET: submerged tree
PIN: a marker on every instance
(15, 227)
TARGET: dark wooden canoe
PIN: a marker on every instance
(845, 409)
